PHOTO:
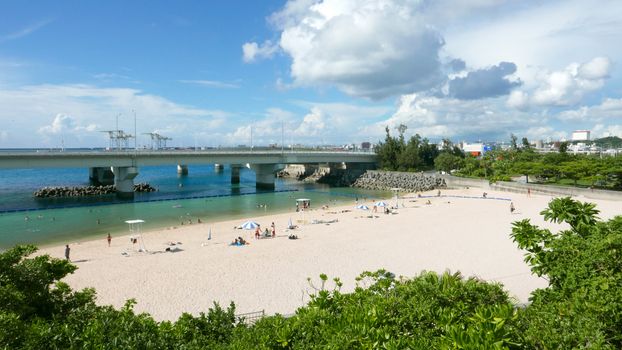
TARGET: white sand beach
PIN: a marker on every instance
(470, 235)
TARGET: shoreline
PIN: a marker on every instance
(467, 234)
(56, 226)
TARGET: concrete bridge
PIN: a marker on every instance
(121, 167)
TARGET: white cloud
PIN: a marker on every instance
(82, 110)
(366, 48)
(609, 109)
(252, 51)
(25, 31)
(545, 133)
(536, 34)
(436, 118)
(324, 123)
(313, 124)
(565, 87)
(61, 123)
(601, 130)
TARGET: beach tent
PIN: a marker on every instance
(381, 204)
(249, 225)
(362, 207)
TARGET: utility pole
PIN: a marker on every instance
(135, 134)
(282, 136)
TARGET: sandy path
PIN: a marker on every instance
(470, 235)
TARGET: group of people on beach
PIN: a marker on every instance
(266, 233)
(239, 241)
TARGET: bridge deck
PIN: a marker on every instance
(50, 159)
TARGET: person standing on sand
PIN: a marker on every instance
(109, 238)
(67, 250)
(512, 208)
(273, 229)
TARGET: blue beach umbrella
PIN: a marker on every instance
(381, 204)
(250, 225)
(362, 207)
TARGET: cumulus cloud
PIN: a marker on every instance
(601, 130)
(545, 133)
(482, 83)
(80, 109)
(436, 118)
(366, 48)
(610, 108)
(566, 87)
(322, 123)
(252, 51)
(313, 124)
(61, 123)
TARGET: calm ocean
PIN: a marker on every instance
(204, 193)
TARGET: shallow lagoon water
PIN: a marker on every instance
(204, 193)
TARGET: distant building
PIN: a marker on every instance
(366, 145)
(581, 135)
(474, 149)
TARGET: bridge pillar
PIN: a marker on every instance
(235, 173)
(218, 167)
(101, 176)
(124, 180)
(182, 169)
(264, 175)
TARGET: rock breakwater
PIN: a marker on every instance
(385, 180)
(81, 191)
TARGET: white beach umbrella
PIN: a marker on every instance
(250, 225)
(289, 223)
(381, 204)
(362, 207)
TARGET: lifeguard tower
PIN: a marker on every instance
(303, 204)
(136, 236)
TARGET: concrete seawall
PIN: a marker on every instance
(517, 187)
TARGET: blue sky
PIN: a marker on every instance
(327, 72)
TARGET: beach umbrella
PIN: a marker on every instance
(289, 223)
(209, 235)
(250, 225)
(381, 204)
(362, 207)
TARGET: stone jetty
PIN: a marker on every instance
(81, 191)
(385, 180)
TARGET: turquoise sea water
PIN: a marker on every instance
(204, 193)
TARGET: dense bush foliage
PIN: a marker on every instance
(581, 307)
(395, 153)
(560, 167)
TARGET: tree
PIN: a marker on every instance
(563, 147)
(513, 143)
(581, 307)
(526, 144)
(447, 162)
(388, 152)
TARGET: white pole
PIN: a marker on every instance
(282, 136)
(135, 135)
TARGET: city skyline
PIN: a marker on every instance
(324, 72)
